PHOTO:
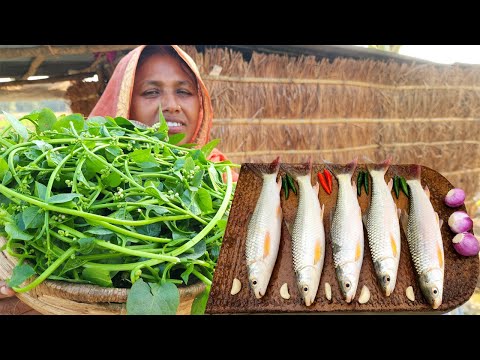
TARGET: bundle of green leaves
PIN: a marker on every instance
(107, 201)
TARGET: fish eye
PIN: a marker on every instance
(387, 278)
(305, 288)
(254, 282)
(347, 284)
(435, 291)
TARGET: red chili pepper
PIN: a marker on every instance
(328, 177)
(322, 180)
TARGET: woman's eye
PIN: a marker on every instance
(184, 92)
(150, 93)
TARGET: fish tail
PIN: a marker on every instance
(337, 169)
(271, 168)
(299, 170)
(414, 172)
(383, 166)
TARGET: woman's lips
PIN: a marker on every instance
(175, 127)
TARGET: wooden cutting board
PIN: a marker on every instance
(461, 272)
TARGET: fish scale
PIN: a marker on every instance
(261, 220)
(424, 240)
(383, 230)
(346, 224)
(347, 236)
(308, 226)
(263, 234)
(422, 236)
(308, 239)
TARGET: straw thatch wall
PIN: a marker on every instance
(297, 106)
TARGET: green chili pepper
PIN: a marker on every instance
(396, 179)
(291, 184)
(365, 181)
(404, 185)
(360, 177)
(285, 186)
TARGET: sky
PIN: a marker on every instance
(443, 54)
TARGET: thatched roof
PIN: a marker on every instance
(74, 61)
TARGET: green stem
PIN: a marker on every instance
(106, 163)
(138, 253)
(202, 277)
(121, 267)
(47, 272)
(9, 192)
(130, 233)
(213, 222)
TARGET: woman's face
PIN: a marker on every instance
(161, 80)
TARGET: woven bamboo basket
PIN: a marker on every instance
(63, 298)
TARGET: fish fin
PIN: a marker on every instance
(337, 169)
(393, 245)
(358, 251)
(364, 219)
(440, 254)
(322, 212)
(279, 184)
(397, 210)
(316, 188)
(439, 221)
(390, 185)
(331, 216)
(266, 245)
(317, 252)
(427, 191)
(289, 226)
(404, 220)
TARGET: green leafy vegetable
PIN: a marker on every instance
(200, 303)
(20, 274)
(111, 202)
(152, 299)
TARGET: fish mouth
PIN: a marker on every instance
(308, 301)
(436, 304)
(349, 298)
(388, 291)
(259, 294)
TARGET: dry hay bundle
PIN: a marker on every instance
(83, 96)
(299, 106)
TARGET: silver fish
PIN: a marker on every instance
(383, 228)
(308, 238)
(422, 228)
(263, 233)
(347, 232)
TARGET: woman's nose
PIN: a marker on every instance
(170, 104)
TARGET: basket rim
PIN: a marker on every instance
(87, 293)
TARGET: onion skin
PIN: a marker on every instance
(466, 244)
(460, 222)
(455, 197)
